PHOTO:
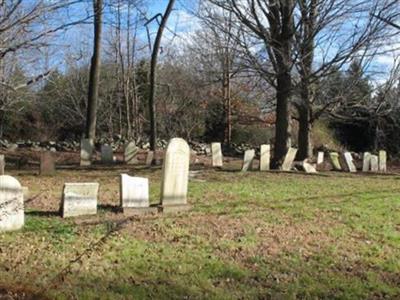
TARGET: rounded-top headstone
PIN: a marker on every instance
(11, 204)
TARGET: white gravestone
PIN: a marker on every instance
(248, 160)
(265, 156)
(79, 199)
(107, 154)
(86, 152)
(382, 161)
(349, 162)
(320, 158)
(366, 162)
(289, 159)
(11, 204)
(334, 156)
(217, 158)
(308, 168)
(175, 176)
(374, 163)
(130, 153)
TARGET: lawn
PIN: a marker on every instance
(249, 236)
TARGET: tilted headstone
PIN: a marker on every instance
(11, 204)
(374, 163)
(79, 199)
(134, 195)
(265, 157)
(308, 168)
(149, 158)
(382, 161)
(216, 152)
(130, 153)
(349, 162)
(2, 164)
(334, 156)
(320, 158)
(248, 160)
(47, 163)
(175, 176)
(366, 162)
(107, 154)
(289, 159)
(87, 148)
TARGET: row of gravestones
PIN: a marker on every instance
(81, 198)
(374, 163)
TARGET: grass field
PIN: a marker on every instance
(249, 236)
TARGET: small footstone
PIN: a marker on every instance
(47, 164)
(11, 204)
(216, 152)
(86, 152)
(79, 199)
(2, 164)
(265, 155)
(107, 155)
(320, 158)
(374, 163)
(349, 162)
(366, 162)
(382, 161)
(334, 156)
(308, 168)
(289, 159)
(248, 160)
(130, 153)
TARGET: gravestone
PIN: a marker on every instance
(320, 158)
(374, 163)
(308, 168)
(248, 160)
(334, 156)
(175, 176)
(134, 195)
(87, 148)
(130, 153)
(79, 199)
(216, 152)
(2, 164)
(382, 161)
(107, 155)
(349, 162)
(47, 164)
(265, 156)
(289, 159)
(366, 162)
(149, 158)
(11, 204)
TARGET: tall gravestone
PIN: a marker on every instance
(2, 164)
(47, 163)
(87, 148)
(382, 161)
(374, 163)
(134, 195)
(130, 153)
(320, 158)
(366, 162)
(349, 162)
(175, 176)
(265, 157)
(107, 154)
(11, 204)
(248, 160)
(149, 158)
(289, 159)
(334, 156)
(79, 199)
(216, 152)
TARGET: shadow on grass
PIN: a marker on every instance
(41, 213)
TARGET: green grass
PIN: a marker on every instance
(249, 235)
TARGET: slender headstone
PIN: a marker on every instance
(2, 164)
(217, 158)
(349, 162)
(107, 155)
(265, 156)
(130, 153)
(87, 148)
(320, 158)
(374, 163)
(11, 204)
(366, 162)
(47, 164)
(149, 158)
(79, 199)
(289, 159)
(382, 161)
(248, 160)
(334, 156)
(175, 176)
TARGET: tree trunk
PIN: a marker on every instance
(94, 72)
(226, 91)
(153, 65)
(304, 134)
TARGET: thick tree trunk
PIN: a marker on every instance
(93, 92)
(304, 135)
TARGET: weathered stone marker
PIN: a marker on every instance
(11, 204)
(374, 163)
(216, 152)
(107, 154)
(382, 161)
(130, 153)
(175, 176)
(308, 168)
(334, 156)
(248, 160)
(47, 164)
(265, 157)
(349, 162)
(289, 159)
(149, 158)
(79, 199)
(2, 164)
(320, 158)
(87, 148)
(366, 162)
(134, 195)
